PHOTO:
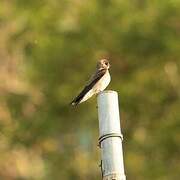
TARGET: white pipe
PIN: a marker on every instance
(110, 136)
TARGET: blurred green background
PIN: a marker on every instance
(49, 49)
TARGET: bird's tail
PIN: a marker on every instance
(74, 103)
(77, 100)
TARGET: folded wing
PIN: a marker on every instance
(98, 75)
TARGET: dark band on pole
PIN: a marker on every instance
(106, 136)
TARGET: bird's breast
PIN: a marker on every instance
(103, 82)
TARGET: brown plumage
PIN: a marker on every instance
(97, 83)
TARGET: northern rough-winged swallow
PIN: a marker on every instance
(97, 83)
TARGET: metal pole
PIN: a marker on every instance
(110, 140)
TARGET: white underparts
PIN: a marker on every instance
(98, 87)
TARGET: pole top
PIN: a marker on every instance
(108, 91)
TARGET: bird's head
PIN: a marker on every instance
(103, 64)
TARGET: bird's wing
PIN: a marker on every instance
(95, 78)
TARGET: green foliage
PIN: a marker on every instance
(49, 49)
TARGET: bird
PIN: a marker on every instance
(97, 83)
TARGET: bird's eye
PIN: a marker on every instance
(106, 63)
